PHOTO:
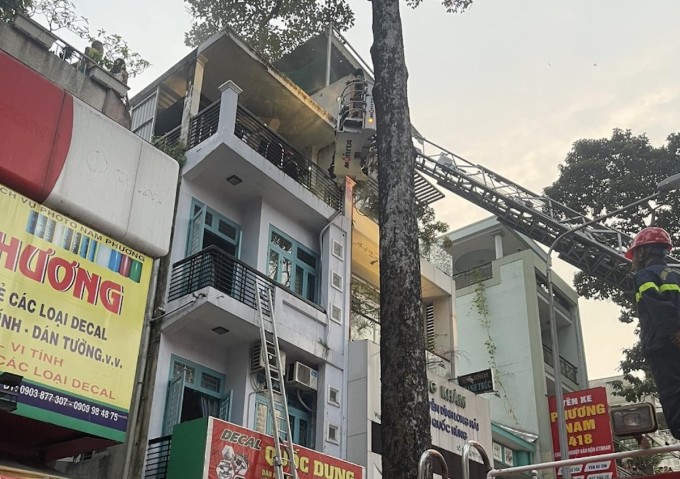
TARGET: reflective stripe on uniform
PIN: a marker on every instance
(651, 285)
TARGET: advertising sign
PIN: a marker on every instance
(588, 432)
(72, 306)
(235, 452)
(479, 383)
(456, 414)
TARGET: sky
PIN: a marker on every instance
(509, 85)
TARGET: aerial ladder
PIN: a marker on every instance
(596, 249)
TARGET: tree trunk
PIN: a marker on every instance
(404, 398)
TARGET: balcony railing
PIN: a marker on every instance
(157, 458)
(286, 158)
(560, 301)
(204, 124)
(171, 138)
(568, 370)
(222, 271)
(272, 147)
(217, 268)
(473, 275)
(439, 257)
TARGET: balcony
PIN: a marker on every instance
(220, 270)
(213, 267)
(472, 276)
(568, 370)
(212, 293)
(271, 146)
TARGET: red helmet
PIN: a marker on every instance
(650, 235)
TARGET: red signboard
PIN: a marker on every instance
(588, 432)
(239, 453)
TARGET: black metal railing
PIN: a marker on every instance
(204, 124)
(568, 370)
(171, 138)
(280, 153)
(220, 270)
(473, 275)
(560, 301)
(157, 458)
(224, 272)
(271, 146)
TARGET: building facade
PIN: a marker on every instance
(503, 323)
(87, 206)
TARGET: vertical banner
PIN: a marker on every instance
(72, 305)
(235, 452)
(588, 432)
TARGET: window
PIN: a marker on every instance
(336, 281)
(193, 392)
(219, 270)
(336, 314)
(292, 265)
(300, 421)
(338, 250)
(207, 227)
(333, 433)
(429, 328)
(333, 396)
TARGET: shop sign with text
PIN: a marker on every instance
(72, 306)
(588, 432)
(235, 452)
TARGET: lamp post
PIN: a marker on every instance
(663, 187)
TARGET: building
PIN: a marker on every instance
(503, 324)
(87, 206)
(258, 209)
(257, 212)
(457, 414)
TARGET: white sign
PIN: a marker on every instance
(456, 414)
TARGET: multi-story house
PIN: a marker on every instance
(503, 322)
(257, 211)
(86, 207)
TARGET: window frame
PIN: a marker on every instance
(292, 256)
(174, 401)
(197, 216)
(198, 373)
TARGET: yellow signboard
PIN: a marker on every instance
(72, 305)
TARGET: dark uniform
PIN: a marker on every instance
(658, 302)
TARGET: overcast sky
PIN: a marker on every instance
(509, 85)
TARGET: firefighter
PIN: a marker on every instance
(657, 296)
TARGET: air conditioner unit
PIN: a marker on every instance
(257, 358)
(302, 376)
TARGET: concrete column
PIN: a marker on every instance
(228, 105)
(498, 241)
(192, 100)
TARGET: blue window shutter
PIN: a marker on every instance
(173, 403)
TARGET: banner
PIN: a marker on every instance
(235, 452)
(72, 305)
(588, 432)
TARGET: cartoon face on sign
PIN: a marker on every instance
(232, 465)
